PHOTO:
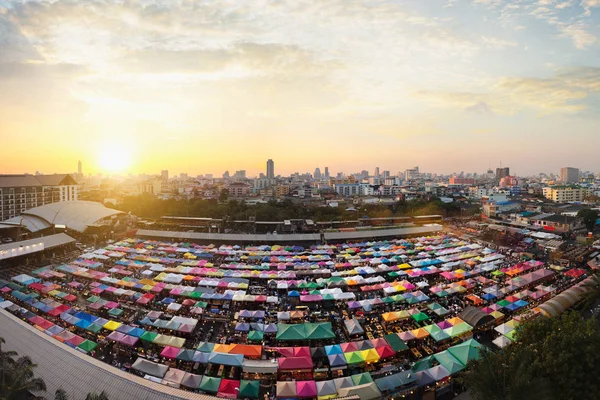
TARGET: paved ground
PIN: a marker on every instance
(78, 374)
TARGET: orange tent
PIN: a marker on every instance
(246, 349)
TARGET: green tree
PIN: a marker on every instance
(504, 375)
(224, 195)
(95, 396)
(60, 394)
(18, 379)
(559, 356)
(589, 218)
(592, 295)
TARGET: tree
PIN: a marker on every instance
(60, 394)
(224, 195)
(589, 218)
(592, 295)
(95, 396)
(559, 356)
(18, 379)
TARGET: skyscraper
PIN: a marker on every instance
(376, 171)
(79, 168)
(317, 174)
(270, 169)
(569, 175)
(164, 175)
(326, 172)
(502, 172)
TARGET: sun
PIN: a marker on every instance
(114, 158)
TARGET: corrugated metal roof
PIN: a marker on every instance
(49, 242)
(78, 374)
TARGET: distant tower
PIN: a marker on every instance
(79, 168)
(317, 173)
(270, 169)
(376, 171)
(326, 172)
(164, 175)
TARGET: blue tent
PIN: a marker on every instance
(168, 300)
(83, 324)
(136, 332)
(293, 293)
(488, 296)
(242, 327)
(336, 360)
(333, 349)
(234, 360)
(521, 303)
(85, 316)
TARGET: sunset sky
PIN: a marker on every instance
(208, 86)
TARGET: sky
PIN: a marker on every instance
(208, 86)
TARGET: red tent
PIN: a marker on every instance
(295, 363)
(229, 388)
(385, 352)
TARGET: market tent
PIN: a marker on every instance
(249, 389)
(173, 377)
(205, 347)
(191, 381)
(475, 317)
(234, 360)
(466, 351)
(228, 388)
(306, 389)
(424, 378)
(333, 349)
(150, 368)
(423, 364)
(246, 350)
(321, 330)
(209, 384)
(260, 366)
(256, 336)
(186, 355)
(354, 357)
(337, 360)
(395, 342)
(87, 345)
(353, 327)
(169, 352)
(326, 388)
(286, 389)
(449, 361)
(367, 391)
(290, 332)
(439, 372)
(360, 379)
(294, 363)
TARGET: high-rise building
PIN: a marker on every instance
(270, 169)
(569, 175)
(79, 168)
(22, 192)
(164, 175)
(386, 174)
(502, 172)
(376, 171)
(317, 174)
(326, 172)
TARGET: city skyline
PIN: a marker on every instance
(445, 84)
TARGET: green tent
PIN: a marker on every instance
(398, 298)
(87, 345)
(419, 317)
(210, 384)
(256, 336)
(423, 364)
(465, 352)
(328, 297)
(449, 362)
(322, 330)
(94, 328)
(439, 336)
(388, 300)
(93, 299)
(205, 347)
(503, 303)
(115, 312)
(201, 304)
(149, 336)
(249, 389)
(442, 293)
(354, 357)
(291, 332)
(511, 334)
(395, 342)
(432, 328)
(361, 379)
(196, 295)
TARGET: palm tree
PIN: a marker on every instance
(18, 379)
(95, 396)
(60, 394)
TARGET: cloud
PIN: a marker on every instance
(14, 47)
(565, 93)
(582, 39)
(497, 43)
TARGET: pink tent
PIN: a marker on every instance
(129, 340)
(170, 352)
(116, 336)
(302, 351)
(306, 389)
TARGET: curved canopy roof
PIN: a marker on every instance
(475, 317)
(75, 215)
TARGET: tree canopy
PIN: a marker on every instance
(589, 218)
(558, 356)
